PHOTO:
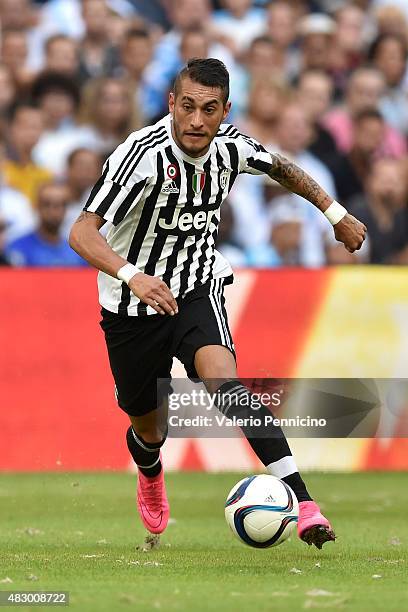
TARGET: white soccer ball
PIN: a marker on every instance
(262, 511)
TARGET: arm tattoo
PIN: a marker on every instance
(84, 215)
(295, 179)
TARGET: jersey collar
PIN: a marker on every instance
(197, 161)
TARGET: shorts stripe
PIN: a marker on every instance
(223, 319)
(216, 312)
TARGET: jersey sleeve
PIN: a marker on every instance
(253, 157)
(122, 184)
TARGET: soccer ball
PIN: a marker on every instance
(262, 511)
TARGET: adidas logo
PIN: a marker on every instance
(169, 187)
(270, 499)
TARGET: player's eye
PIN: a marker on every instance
(187, 107)
(210, 110)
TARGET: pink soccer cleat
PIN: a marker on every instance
(313, 527)
(152, 502)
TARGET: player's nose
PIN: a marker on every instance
(197, 120)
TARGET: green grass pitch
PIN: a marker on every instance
(79, 532)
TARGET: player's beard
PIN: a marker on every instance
(191, 151)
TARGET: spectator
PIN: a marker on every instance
(239, 22)
(265, 58)
(184, 14)
(136, 52)
(364, 90)
(22, 16)
(383, 209)
(20, 170)
(14, 53)
(317, 33)
(349, 43)
(281, 27)
(314, 93)
(285, 240)
(45, 246)
(349, 171)
(262, 60)
(16, 14)
(83, 170)
(266, 99)
(294, 133)
(108, 110)
(116, 32)
(97, 57)
(58, 97)
(267, 96)
(389, 55)
(61, 56)
(350, 32)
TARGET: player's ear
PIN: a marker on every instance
(227, 109)
(171, 102)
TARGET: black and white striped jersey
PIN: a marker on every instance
(164, 207)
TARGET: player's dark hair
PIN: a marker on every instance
(209, 72)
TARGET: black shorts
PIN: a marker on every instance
(141, 349)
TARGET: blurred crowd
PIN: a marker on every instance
(325, 82)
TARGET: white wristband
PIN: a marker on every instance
(335, 212)
(126, 272)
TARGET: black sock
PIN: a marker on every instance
(272, 449)
(146, 455)
(298, 486)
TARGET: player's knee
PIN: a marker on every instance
(215, 362)
(152, 434)
(155, 436)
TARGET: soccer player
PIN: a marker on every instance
(161, 279)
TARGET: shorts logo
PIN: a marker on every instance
(172, 171)
(169, 187)
(224, 178)
(198, 182)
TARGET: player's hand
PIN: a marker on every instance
(351, 232)
(153, 291)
